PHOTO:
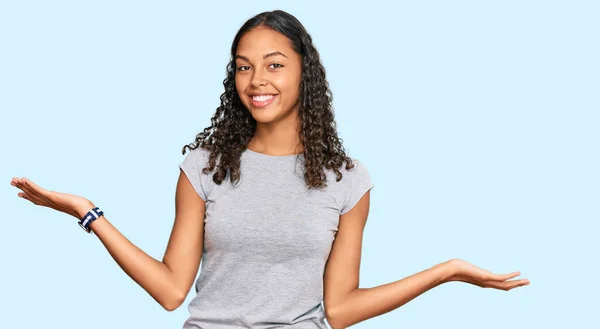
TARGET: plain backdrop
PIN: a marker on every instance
(477, 120)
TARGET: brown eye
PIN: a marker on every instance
(243, 68)
(277, 65)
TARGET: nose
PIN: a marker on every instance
(258, 79)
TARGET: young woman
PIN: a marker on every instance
(270, 202)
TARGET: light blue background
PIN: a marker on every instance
(478, 122)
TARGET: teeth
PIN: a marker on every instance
(262, 98)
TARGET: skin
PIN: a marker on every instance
(267, 63)
(169, 281)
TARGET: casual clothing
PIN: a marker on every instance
(266, 241)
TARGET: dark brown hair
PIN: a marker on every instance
(232, 126)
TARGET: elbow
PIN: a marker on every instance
(173, 303)
(170, 307)
(333, 319)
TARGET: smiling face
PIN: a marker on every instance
(268, 73)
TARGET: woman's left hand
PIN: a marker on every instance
(460, 270)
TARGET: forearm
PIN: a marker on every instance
(152, 275)
(365, 303)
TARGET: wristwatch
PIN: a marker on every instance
(91, 216)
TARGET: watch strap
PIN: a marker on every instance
(91, 216)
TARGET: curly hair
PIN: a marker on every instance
(232, 126)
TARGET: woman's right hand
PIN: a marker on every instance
(70, 204)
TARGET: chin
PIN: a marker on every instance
(264, 115)
(264, 118)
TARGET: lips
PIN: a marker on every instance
(262, 100)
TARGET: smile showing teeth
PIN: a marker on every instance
(261, 101)
(262, 98)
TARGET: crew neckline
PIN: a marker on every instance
(264, 155)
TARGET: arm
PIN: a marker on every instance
(385, 298)
(169, 281)
(151, 274)
(346, 304)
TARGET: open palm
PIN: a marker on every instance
(73, 205)
(469, 273)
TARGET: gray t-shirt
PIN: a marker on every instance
(266, 241)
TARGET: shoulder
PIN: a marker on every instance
(198, 151)
(357, 169)
(358, 166)
(196, 159)
(352, 177)
(192, 165)
(199, 155)
(355, 182)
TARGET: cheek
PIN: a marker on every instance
(240, 87)
(290, 88)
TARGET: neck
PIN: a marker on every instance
(277, 138)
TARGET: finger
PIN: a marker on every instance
(39, 200)
(42, 197)
(503, 277)
(26, 190)
(20, 183)
(15, 182)
(30, 194)
(34, 191)
(34, 187)
(506, 285)
(29, 198)
(49, 196)
(485, 275)
(515, 283)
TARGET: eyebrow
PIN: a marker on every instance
(275, 53)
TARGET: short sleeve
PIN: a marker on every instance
(359, 183)
(192, 165)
